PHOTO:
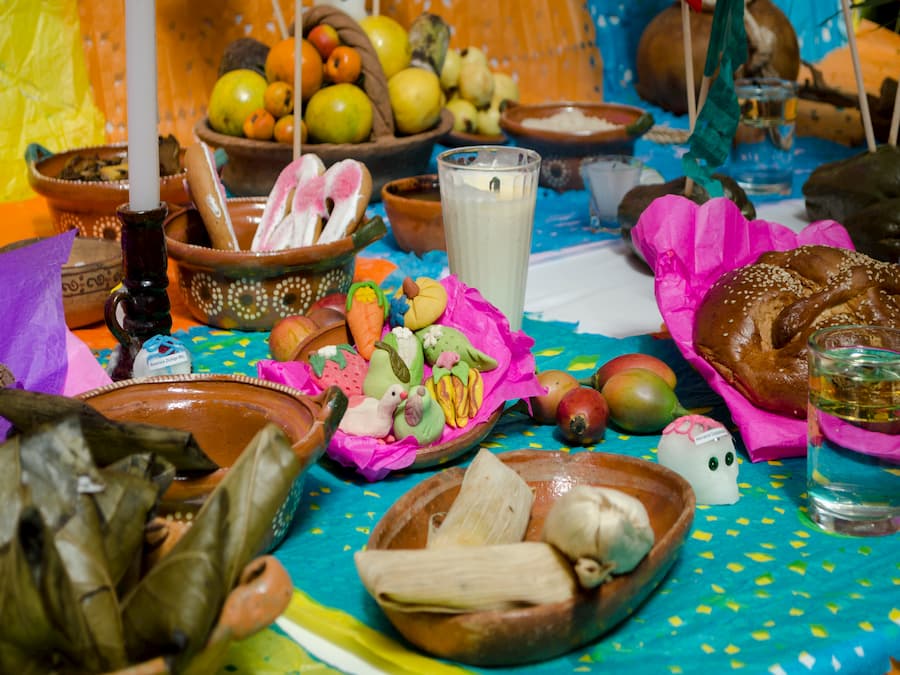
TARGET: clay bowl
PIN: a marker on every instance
(562, 152)
(461, 139)
(245, 290)
(89, 206)
(530, 634)
(253, 166)
(223, 413)
(413, 208)
(93, 269)
(263, 592)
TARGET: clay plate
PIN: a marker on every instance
(441, 453)
(542, 632)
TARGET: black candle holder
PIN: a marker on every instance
(142, 297)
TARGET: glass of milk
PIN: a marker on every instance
(488, 195)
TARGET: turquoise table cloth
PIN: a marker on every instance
(756, 587)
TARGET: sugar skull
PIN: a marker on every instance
(702, 451)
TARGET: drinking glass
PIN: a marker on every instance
(608, 178)
(853, 449)
(762, 155)
(488, 195)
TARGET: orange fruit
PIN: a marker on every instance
(344, 64)
(279, 98)
(280, 65)
(284, 130)
(259, 125)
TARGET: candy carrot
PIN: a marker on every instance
(367, 311)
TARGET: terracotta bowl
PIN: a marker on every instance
(223, 413)
(253, 166)
(93, 269)
(88, 206)
(562, 152)
(529, 634)
(413, 208)
(244, 290)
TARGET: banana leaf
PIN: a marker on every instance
(57, 467)
(108, 439)
(177, 602)
(133, 487)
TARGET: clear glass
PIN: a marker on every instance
(608, 178)
(488, 195)
(853, 448)
(762, 155)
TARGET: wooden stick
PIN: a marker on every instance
(704, 93)
(857, 69)
(895, 118)
(298, 75)
(688, 62)
(375, 7)
(279, 19)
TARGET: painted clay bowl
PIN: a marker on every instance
(253, 166)
(563, 151)
(530, 634)
(90, 206)
(93, 269)
(413, 208)
(246, 290)
(224, 413)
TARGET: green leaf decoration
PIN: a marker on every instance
(717, 121)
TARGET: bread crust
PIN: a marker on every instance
(753, 323)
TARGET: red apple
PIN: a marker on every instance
(288, 333)
(337, 301)
(324, 38)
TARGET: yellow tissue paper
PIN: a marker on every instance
(45, 91)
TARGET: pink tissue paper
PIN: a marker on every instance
(487, 329)
(689, 247)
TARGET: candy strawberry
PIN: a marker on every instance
(341, 366)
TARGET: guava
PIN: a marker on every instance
(234, 97)
(340, 113)
(391, 42)
(416, 101)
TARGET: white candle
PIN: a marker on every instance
(143, 107)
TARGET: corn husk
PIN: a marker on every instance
(602, 530)
(493, 507)
(466, 579)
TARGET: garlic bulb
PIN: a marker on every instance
(602, 530)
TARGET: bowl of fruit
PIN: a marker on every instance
(359, 101)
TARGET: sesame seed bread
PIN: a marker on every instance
(753, 324)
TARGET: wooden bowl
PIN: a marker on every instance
(562, 152)
(530, 634)
(88, 206)
(223, 412)
(246, 290)
(413, 208)
(253, 166)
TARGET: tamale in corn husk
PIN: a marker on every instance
(107, 439)
(493, 507)
(461, 579)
